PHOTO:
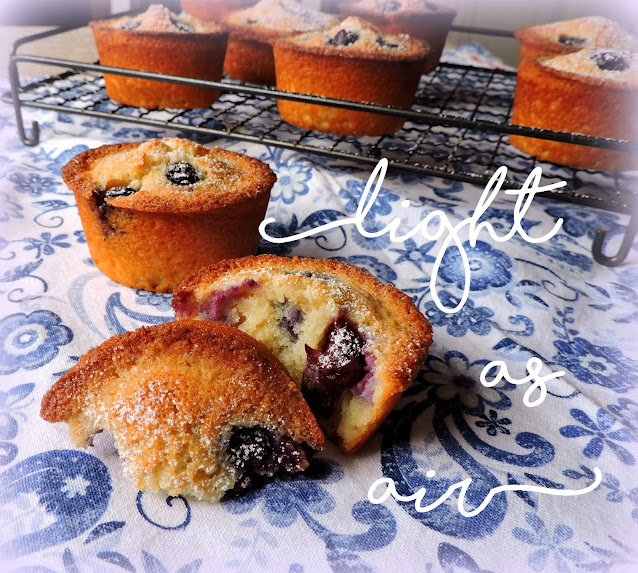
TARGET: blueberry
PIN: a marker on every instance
(130, 25)
(219, 305)
(338, 364)
(389, 6)
(290, 455)
(431, 6)
(571, 40)
(385, 44)
(610, 60)
(292, 317)
(343, 38)
(185, 303)
(182, 173)
(256, 452)
(115, 192)
(181, 27)
(104, 209)
(249, 448)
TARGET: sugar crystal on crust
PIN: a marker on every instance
(157, 18)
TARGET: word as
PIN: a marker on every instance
(525, 195)
(463, 486)
(534, 366)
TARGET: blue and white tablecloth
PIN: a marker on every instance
(69, 510)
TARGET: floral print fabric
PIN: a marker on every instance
(68, 510)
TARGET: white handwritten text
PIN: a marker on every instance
(534, 366)
(524, 198)
(463, 486)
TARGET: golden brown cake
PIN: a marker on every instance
(155, 212)
(195, 408)
(418, 18)
(352, 343)
(163, 42)
(352, 61)
(252, 32)
(558, 38)
(593, 92)
(213, 10)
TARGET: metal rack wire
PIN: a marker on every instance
(456, 129)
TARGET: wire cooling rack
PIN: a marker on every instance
(457, 128)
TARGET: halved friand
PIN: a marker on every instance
(351, 342)
(196, 408)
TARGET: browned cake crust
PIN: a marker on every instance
(162, 232)
(351, 61)
(173, 395)
(418, 18)
(572, 94)
(251, 293)
(558, 38)
(158, 41)
(249, 56)
(250, 61)
(213, 10)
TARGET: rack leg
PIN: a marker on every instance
(625, 247)
(28, 139)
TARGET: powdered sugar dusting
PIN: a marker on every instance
(147, 167)
(594, 31)
(356, 37)
(171, 394)
(343, 345)
(287, 16)
(393, 6)
(590, 65)
(157, 18)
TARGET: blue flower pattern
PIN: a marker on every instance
(468, 318)
(599, 434)
(47, 244)
(31, 341)
(69, 510)
(489, 267)
(553, 544)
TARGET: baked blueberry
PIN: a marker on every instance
(100, 196)
(181, 27)
(250, 448)
(130, 25)
(115, 192)
(385, 44)
(338, 364)
(292, 317)
(219, 305)
(256, 452)
(343, 38)
(182, 173)
(610, 60)
(571, 40)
